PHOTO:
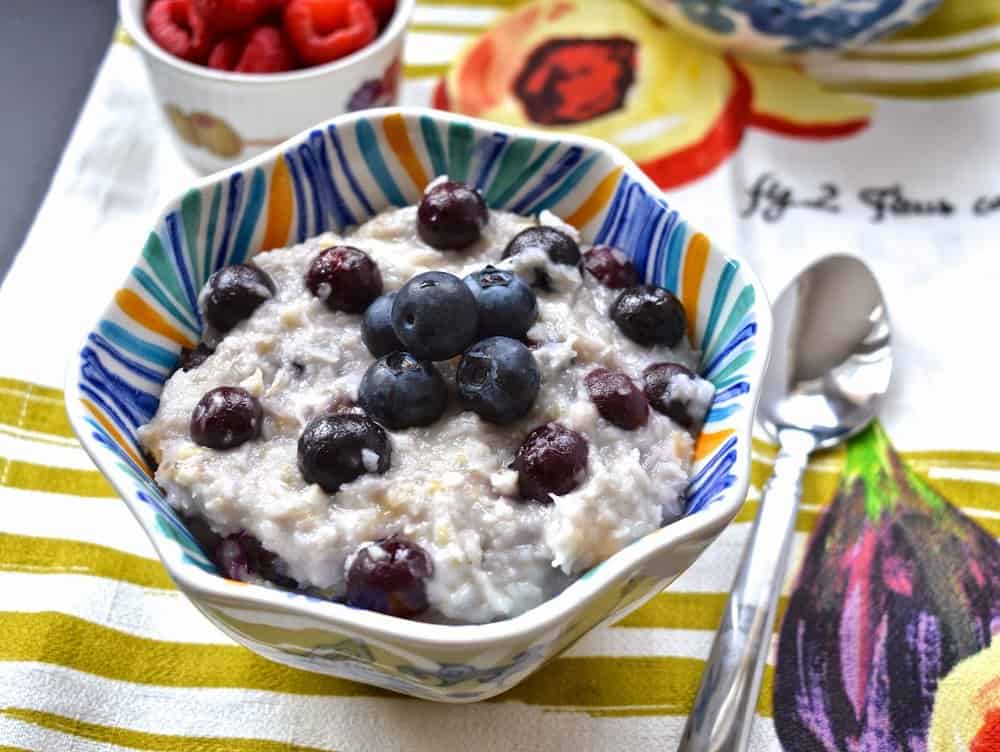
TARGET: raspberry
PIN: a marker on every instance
(325, 30)
(177, 28)
(226, 52)
(262, 50)
(382, 10)
(232, 15)
(267, 51)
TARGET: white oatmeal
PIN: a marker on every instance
(449, 488)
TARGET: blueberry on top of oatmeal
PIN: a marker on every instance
(507, 306)
(498, 379)
(560, 247)
(610, 266)
(451, 216)
(551, 460)
(232, 294)
(435, 316)
(388, 576)
(617, 399)
(345, 278)
(376, 327)
(226, 417)
(400, 391)
(650, 315)
(336, 449)
(663, 385)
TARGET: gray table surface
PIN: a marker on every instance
(49, 53)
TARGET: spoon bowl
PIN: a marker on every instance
(831, 360)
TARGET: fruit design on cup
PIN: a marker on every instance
(607, 69)
(205, 130)
(376, 92)
(265, 36)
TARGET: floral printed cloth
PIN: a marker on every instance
(892, 609)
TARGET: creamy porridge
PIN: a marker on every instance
(528, 435)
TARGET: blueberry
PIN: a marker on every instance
(658, 379)
(239, 556)
(336, 449)
(610, 266)
(650, 315)
(389, 576)
(498, 379)
(400, 391)
(243, 557)
(376, 327)
(226, 417)
(617, 399)
(345, 278)
(434, 316)
(560, 247)
(191, 359)
(551, 460)
(232, 294)
(207, 538)
(507, 306)
(451, 216)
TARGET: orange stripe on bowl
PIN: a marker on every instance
(279, 207)
(139, 310)
(709, 442)
(596, 201)
(694, 269)
(108, 426)
(399, 140)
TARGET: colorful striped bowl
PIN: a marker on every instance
(337, 175)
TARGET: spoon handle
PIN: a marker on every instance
(722, 714)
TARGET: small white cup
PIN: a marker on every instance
(220, 118)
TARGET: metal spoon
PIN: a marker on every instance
(830, 367)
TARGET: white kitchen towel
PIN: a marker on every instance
(99, 651)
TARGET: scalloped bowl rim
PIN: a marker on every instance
(710, 520)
